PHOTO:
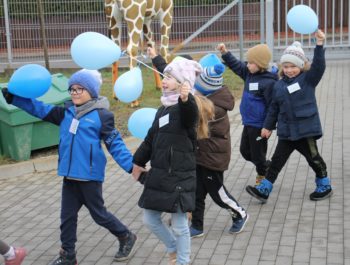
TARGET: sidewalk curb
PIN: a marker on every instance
(48, 163)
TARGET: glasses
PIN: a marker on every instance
(77, 91)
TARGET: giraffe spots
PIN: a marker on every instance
(135, 37)
(139, 23)
(126, 3)
(168, 20)
(132, 12)
(148, 13)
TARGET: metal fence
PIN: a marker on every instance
(20, 32)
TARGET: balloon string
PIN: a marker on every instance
(125, 53)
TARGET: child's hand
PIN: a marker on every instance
(265, 133)
(185, 89)
(221, 48)
(151, 52)
(136, 171)
(320, 37)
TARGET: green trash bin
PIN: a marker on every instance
(20, 133)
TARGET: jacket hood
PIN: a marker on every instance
(221, 98)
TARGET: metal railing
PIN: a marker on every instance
(242, 26)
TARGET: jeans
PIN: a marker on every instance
(177, 238)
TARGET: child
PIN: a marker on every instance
(12, 256)
(256, 98)
(294, 108)
(170, 184)
(213, 154)
(84, 122)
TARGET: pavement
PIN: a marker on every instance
(288, 229)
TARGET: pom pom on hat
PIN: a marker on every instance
(210, 79)
(294, 54)
(91, 80)
(184, 70)
(260, 55)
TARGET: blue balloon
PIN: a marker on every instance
(140, 122)
(93, 51)
(209, 60)
(302, 19)
(128, 86)
(30, 81)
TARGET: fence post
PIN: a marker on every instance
(269, 25)
(8, 34)
(262, 21)
(240, 29)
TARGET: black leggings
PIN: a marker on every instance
(307, 147)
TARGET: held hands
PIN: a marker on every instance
(185, 89)
(222, 48)
(136, 171)
(265, 133)
(151, 52)
(320, 37)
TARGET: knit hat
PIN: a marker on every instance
(89, 79)
(184, 70)
(294, 54)
(210, 79)
(260, 55)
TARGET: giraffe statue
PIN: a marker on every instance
(138, 15)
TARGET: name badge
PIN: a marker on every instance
(74, 126)
(293, 88)
(163, 121)
(253, 86)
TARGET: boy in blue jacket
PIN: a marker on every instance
(84, 122)
(294, 109)
(256, 98)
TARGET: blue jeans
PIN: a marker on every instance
(177, 239)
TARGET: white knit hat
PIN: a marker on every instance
(294, 54)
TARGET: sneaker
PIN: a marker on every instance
(238, 224)
(323, 189)
(20, 254)
(126, 247)
(261, 191)
(195, 232)
(65, 259)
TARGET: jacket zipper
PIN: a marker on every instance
(90, 159)
(171, 156)
(70, 154)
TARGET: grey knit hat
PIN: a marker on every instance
(294, 54)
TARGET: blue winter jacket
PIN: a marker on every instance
(294, 105)
(81, 155)
(257, 91)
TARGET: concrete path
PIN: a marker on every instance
(289, 229)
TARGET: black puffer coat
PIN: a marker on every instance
(171, 181)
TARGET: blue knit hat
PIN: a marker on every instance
(210, 79)
(89, 79)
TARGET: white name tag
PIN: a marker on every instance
(293, 88)
(163, 121)
(253, 86)
(74, 126)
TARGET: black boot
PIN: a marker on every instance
(65, 259)
(126, 247)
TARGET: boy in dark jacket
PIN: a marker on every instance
(213, 154)
(84, 122)
(256, 98)
(294, 109)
